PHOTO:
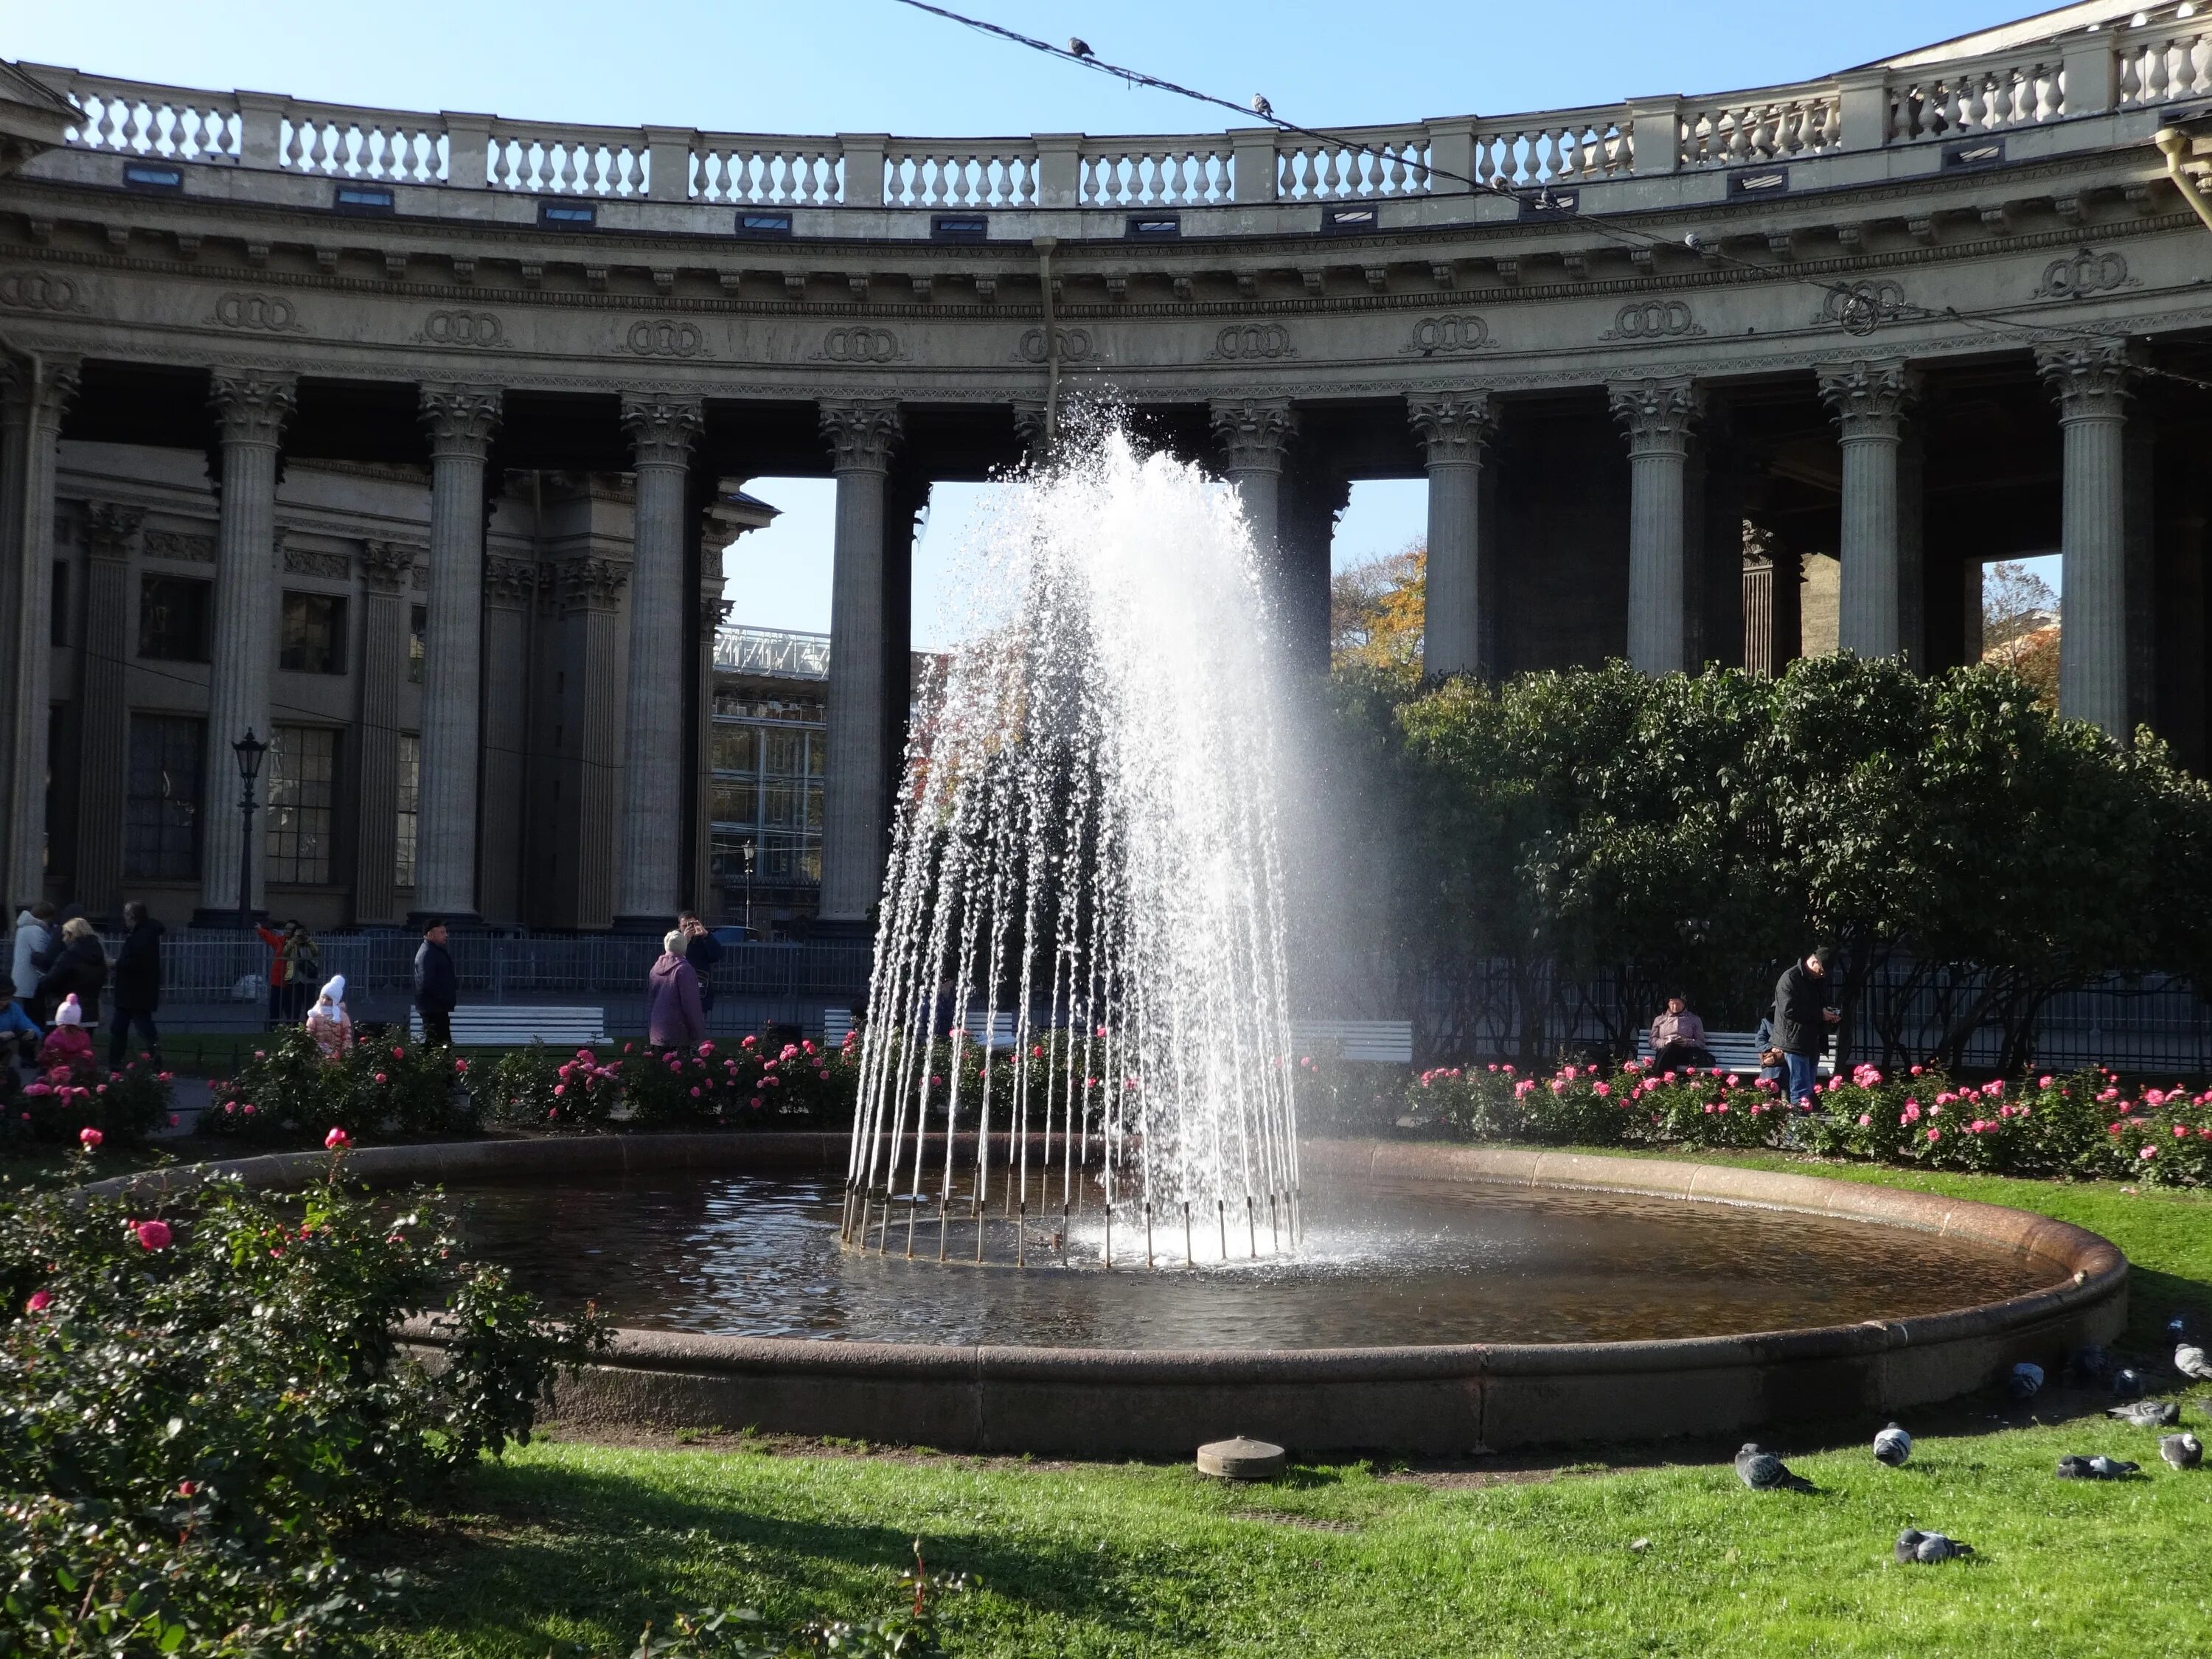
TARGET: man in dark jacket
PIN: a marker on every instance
(1802, 1019)
(437, 987)
(137, 985)
(702, 950)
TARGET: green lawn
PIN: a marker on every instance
(571, 1548)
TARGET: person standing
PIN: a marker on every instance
(328, 1023)
(34, 938)
(437, 987)
(303, 972)
(137, 985)
(1802, 1019)
(702, 950)
(80, 970)
(280, 966)
(673, 1017)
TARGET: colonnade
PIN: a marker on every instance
(471, 609)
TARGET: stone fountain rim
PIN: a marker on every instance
(2098, 1270)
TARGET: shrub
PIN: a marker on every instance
(290, 1089)
(63, 1101)
(200, 1394)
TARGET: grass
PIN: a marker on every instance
(572, 1548)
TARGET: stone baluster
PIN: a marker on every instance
(460, 421)
(510, 592)
(855, 811)
(2092, 380)
(251, 409)
(1254, 434)
(662, 428)
(1454, 428)
(32, 399)
(387, 569)
(1658, 418)
(1879, 544)
(103, 757)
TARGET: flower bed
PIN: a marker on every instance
(290, 1089)
(2083, 1125)
(736, 1085)
(63, 1100)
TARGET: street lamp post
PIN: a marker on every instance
(249, 751)
(745, 850)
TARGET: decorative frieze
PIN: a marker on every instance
(665, 337)
(2088, 273)
(859, 345)
(266, 313)
(1252, 343)
(307, 561)
(41, 291)
(1654, 320)
(1447, 337)
(1861, 307)
(464, 328)
(187, 546)
(1076, 346)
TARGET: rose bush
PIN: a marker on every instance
(63, 1100)
(741, 1084)
(393, 1086)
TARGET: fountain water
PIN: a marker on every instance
(1078, 1001)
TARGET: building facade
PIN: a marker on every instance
(411, 440)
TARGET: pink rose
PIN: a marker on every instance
(380, 1078)
(2148, 1153)
(1865, 1122)
(90, 1138)
(1934, 1135)
(40, 1302)
(153, 1235)
(338, 1140)
(398, 1054)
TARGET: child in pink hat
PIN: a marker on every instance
(69, 1041)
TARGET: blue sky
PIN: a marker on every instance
(875, 65)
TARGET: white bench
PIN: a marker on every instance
(1734, 1051)
(1382, 1042)
(512, 1025)
(837, 1026)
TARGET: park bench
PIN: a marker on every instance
(1734, 1051)
(1380, 1042)
(514, 1025)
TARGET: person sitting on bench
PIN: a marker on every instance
(1678, 1039)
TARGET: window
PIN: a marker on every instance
(736, 749)
(411, 788)
(162, 813)
(418, 623)
(172, 618)
(302, 767)
(767, 793)
(314, 640)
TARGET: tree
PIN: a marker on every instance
(2021, 626)
(1374, 611)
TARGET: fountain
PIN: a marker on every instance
(1085, 885)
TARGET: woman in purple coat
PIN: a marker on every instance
(673, 1019)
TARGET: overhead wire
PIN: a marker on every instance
(1996, 317)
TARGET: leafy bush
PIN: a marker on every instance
(736, 1085)
(290, 1089)
(201, 1393)
(65, 1100)
(742, 1633)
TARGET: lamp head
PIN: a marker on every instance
(249, 751)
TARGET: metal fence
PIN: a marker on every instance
(208, 968)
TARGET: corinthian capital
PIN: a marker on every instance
(43, 398)
(1658, 416)
(862, 435)
(507, 580)
(1869, 398)
(1253, 432)
(2091, 379)
(661, 427)
(108, 528)
(252, 407)
(460, 419)
(386, 566)
(1453, 425)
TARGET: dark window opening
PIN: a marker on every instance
(172, 618)
(313, 637)
(161, 812)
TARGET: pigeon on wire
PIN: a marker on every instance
(1928, 1547)
(1079, 47)
(1261, 107)
(1762, 1471)
(2183, 1451)
(2192, 1361)
(2127, 1383)
(1893, 1446)
(2146, 1414)
(2025, 1381)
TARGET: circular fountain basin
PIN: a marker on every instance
(1448, 1299)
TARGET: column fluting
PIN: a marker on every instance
(1658, 418)
(856, 808)
(1871, 401)
(1454, 428)
(103, 707)
(1254, 434)
(2092, 380)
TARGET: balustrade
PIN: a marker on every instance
(757, 170)
(1943, 101)
(1388, 162)
(1156, 173)
(2168, 61)
(568, 161)
(338, 141)
(1772, 125)
(1529, 151)
(135, 118)
(991, 173)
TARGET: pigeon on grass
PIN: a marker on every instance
(1762, 1471)
(2073, 1466)
(2146, 1414)
(2183, 1451)
(1928, 1547)
(2127, 1383)
(2025, 1381)
(1893, 1446)
(2193, 1362)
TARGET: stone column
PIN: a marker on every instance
(1454, 428)
(585, 815)
(510, 590)
(103, 759)
(251, 409)
(1658, 417)
(1254, 433)
(387, 568)
(32, 403)
(1313, 498)
(648, 882)
(712, 608)
(459, 421)
(1869, 400)
(2092, 380)
(856, 814)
